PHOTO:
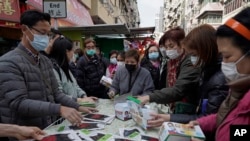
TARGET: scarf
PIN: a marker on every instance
(155, 64)
(238, 88)
(173, 66)
(111, 69)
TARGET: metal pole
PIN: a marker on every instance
(56, 24)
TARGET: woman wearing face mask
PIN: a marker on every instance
(182, 79)
(113, 64)
(61, 54)
(233, 39)
(120, 59)
(201, 44)
(152, 62)
(132, 78)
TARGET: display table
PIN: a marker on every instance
(106, 106)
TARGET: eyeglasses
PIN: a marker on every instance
(40, 32)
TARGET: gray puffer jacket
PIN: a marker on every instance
(29, 93)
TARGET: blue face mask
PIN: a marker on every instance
(76, 56)
(90, 52)
(153, 55)
(40, 42)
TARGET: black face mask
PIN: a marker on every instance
(130, 67)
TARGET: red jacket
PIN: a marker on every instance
(239, 115)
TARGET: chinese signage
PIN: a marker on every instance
(9, 24)
(77, 14)
(9, 10)
(56, 8)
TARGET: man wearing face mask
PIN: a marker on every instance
(29, 93)
(132, 78)
(90, 69)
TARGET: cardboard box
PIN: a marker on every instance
(106, 81)
(122, 111)
(140, 114)
(171, 131)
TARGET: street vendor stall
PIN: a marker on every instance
(106, 106)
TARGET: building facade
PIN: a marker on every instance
(174, 13)
(232, 7)
(115, 11)
(211, 12)
(191, 12)
(159, 18)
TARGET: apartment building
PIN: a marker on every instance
(191, 12)
(114, 11)
(211, 12)
(232, 7)
(159, 20)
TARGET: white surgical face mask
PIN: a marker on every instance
(230, 70)
(194, 59)
(172, 54)
(119, 63)
(113, 61)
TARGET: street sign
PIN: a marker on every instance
(56, 8)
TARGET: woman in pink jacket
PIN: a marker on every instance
(233, 39)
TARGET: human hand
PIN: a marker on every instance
(71, 114)
(24, 133)
(144, 99)
(158, 119)
(191, 124)
(87, 109)
(111, 94)
(87, 99)
(51, 42)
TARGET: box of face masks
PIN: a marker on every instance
(172, 131)
(122, 111)
(106, 81)
(140, 114)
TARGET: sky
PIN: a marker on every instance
(148, 9)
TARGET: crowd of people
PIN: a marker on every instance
(202, 76)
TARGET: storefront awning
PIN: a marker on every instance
(99, 29)
(142, 30)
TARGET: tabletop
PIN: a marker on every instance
(106, 106)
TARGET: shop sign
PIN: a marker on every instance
(9, 10)
(56, 8)
(9, 24)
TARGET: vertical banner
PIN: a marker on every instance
(9, 10)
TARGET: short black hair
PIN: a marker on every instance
(237, 39)
(133, 53)
(31, 17)
(113, 52)
(54, 33)
(122, 54)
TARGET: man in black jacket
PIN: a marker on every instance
(90, 69)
